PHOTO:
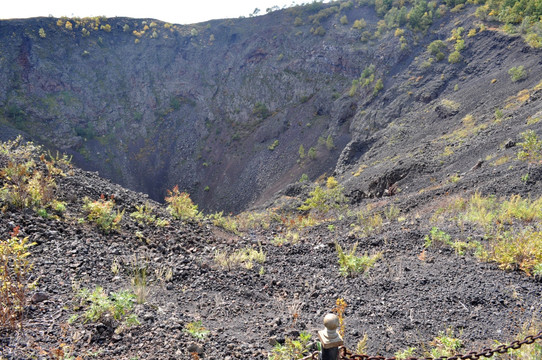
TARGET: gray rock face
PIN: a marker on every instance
(151, 105)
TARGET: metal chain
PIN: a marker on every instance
(345, 354)
(473, 355)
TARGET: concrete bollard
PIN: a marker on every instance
(330, 338)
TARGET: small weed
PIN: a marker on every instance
(243, 257)
(502, 160)
(101, 213)
(138, 276)
(437, 237)
(196, 330)
(445, 345)
(180, 205)
(292, 348)
(290, 237)
(350, 264)
(405, 354)
(144, 215)
(340, 309)
(454, 178)
(226, 222)
(118, 305)
(361, 346)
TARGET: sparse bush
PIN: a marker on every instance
(312, 153)
(517, 73)
(273, 145)
(42, 33)
(521, 251)
(261, 111)
(323, 200)
(350, 264)
(329, 143)
(320, 31)
(242, 257)
(101, 213)
(531, 147)
(344, 20)
(301, 151)
(379, 85)
(226, 222)
(180, 205)
(139, 267)
(15, 269)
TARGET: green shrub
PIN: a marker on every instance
(454, 57)
(323, 200)
(517, 73)
(436, 47)
(344, 20)
(379, 85)
(350, 264)
(180, 205)
(101, 213)
(304, 177)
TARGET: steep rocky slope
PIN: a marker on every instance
(411, 295)
(412, 159)
(221, 108)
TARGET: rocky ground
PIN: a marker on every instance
(437, 131)
(410, 296)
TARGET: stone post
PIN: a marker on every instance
(330, 338)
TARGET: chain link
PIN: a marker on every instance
(345, 354)
(485, 353)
